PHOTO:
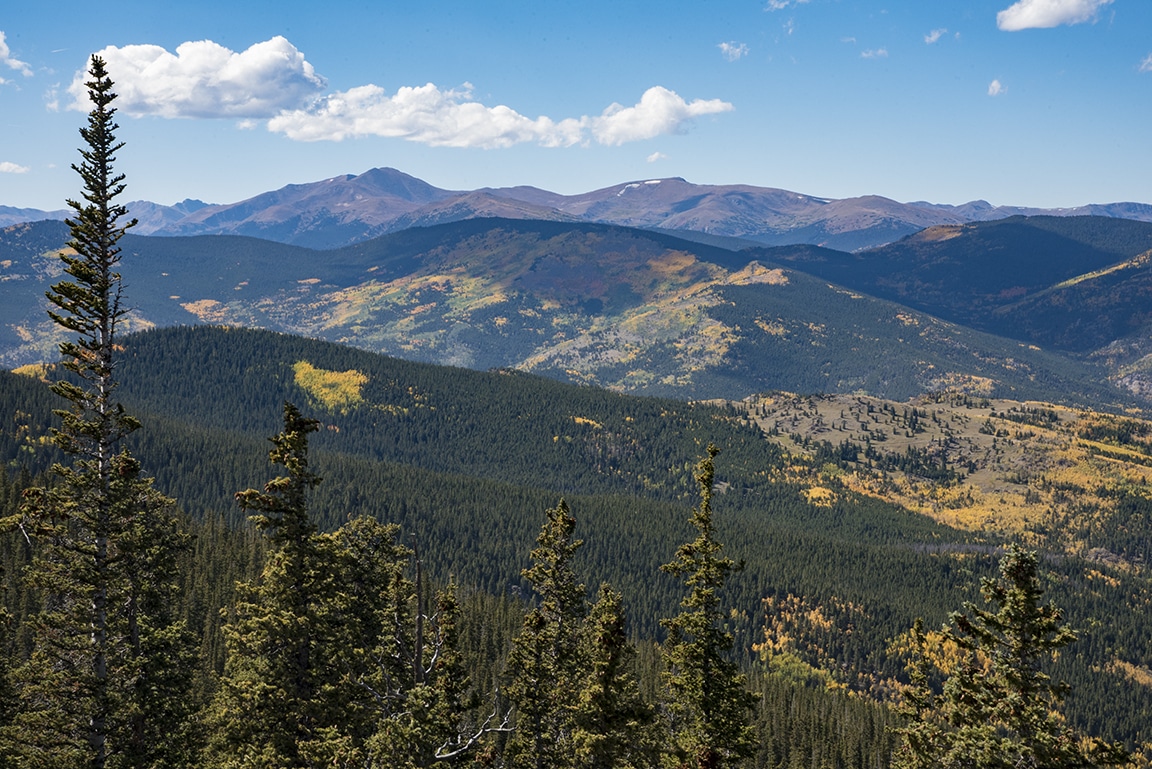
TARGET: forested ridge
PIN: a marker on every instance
(1064, 283)
(465, 462)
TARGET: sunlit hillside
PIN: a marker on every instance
(1074, 479)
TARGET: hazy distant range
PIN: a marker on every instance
(353, 208)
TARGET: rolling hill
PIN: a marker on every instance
(851, 514)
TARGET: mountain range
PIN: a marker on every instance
(353, 208)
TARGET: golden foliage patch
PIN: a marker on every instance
(337, 391)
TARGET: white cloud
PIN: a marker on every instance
(273, 81)
(935, 35)
(659, 111)
(656, 156)
(9, 61)
(875, 53)
(1146, 65)
(733, 50)
(7, 167)
(206, 80)
(451, 118)
(422, 114)
(1043, 14)
(779, 5)
(995, 88)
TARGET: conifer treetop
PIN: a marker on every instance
(90, 303)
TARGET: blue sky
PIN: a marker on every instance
(1037, 102)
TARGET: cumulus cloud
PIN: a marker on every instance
(875, 53)
(995, 88)
(206, 80)
(271, 81)
(1146, 65)
(779, 5)
(733, 50)
(1044, 14)
(656, 156)
(425, 114)
(7, 167)
(451, 118)
(935, 35)
(659, 111)
(10, 61)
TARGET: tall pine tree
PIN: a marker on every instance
(271, 710)
(422, 703)
(7, 696)
(332, 656)
(107, 681)
(1000, 709)
(546, 658)
(709, 704)
(613, 727)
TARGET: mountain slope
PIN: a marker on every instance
(350, 208)
(1078, 285)
(474, 205)
(10, 215)
(773, 216)
(616, 307)
(993, 275)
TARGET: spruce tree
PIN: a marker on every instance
(333, 658)
(545, 661)
(367, 601)
(107, 681)
(1000, 709)
(7, 696)
(269, 709)
(613, 727)
(922, 733)
(709, 704)
(422, 703)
